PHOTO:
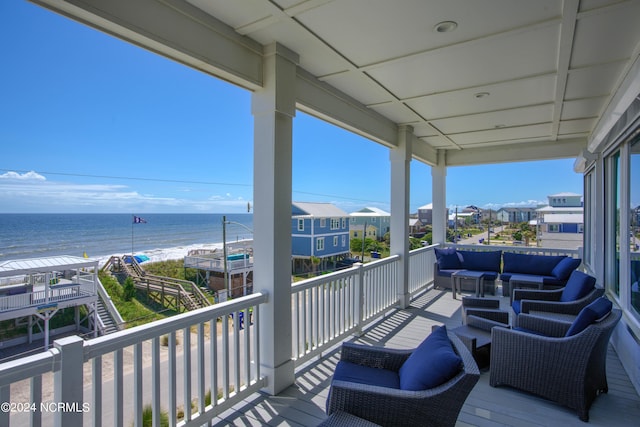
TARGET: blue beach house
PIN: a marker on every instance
(318, 231)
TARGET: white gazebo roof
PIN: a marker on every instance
(41, 265)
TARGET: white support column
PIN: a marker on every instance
(439, 195)
(67, 379)
(273, 109)
(400, 158)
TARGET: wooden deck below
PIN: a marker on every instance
(303, 404)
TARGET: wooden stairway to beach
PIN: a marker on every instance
(176, 294)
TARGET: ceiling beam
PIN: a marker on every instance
(175, 29)
(529, 151)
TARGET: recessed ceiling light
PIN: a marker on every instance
(445, 26)
(481, 94)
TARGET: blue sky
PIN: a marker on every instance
(89, 123)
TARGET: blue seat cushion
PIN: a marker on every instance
(448, 259)
(434, 362)
(578, 286)
(352, 372)
(590, 314)
(564, 268)
(447, 273)
(481, 260)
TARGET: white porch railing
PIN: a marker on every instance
(56, 294)
(328, 308)
(217, 354)
(575, 253)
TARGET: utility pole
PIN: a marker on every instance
(364, 236)
(224, 254)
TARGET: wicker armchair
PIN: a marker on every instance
(438, 406)
(568, 370)
(579, 292)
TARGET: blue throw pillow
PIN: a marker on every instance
(588, 315)
(431, 364)
(564, 268)
(578, 286)
(448, 259)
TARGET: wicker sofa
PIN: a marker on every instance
(360, 385)
(450, 260)
(560, 361)
(554, 271)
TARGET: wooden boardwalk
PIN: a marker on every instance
(303, 404)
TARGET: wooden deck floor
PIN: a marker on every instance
(303, 403)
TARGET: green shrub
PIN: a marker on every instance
(128, 289)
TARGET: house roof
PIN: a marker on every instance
(564, 219)
(370, 211)
(426, 207)
(42, 265)
(564, 209)
(565, 195)
(318, 210)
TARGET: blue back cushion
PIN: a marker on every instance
(433, 363)
(448, 259)
(578, 286)
(481, 260)
(541, 265)
(564, 268)
(588, 315)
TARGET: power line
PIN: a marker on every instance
(177, 181)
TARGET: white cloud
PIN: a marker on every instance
(27, 176)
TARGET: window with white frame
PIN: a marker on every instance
(335, 241)
(320, 244)
(300, 224)
(335, 223)
(344, 223)
(344, 241)
(554, 228)
(323, 222)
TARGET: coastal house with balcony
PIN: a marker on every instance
(33, 291)
(372, 216)
(560, 224)
(440, 83)
(515, 215)
(318, 231)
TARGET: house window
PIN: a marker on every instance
(590, 213)
(335, 223)
(323, 222)
(301, 225)
(344, 223)
(554, 228)
(634, 226)
(335, 241)
(612, 238)
(355, 234)
(344, 241)
(320, 244)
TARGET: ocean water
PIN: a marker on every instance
(163, 236)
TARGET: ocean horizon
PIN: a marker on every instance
(99, 236)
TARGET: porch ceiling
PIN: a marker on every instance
(514, 75)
